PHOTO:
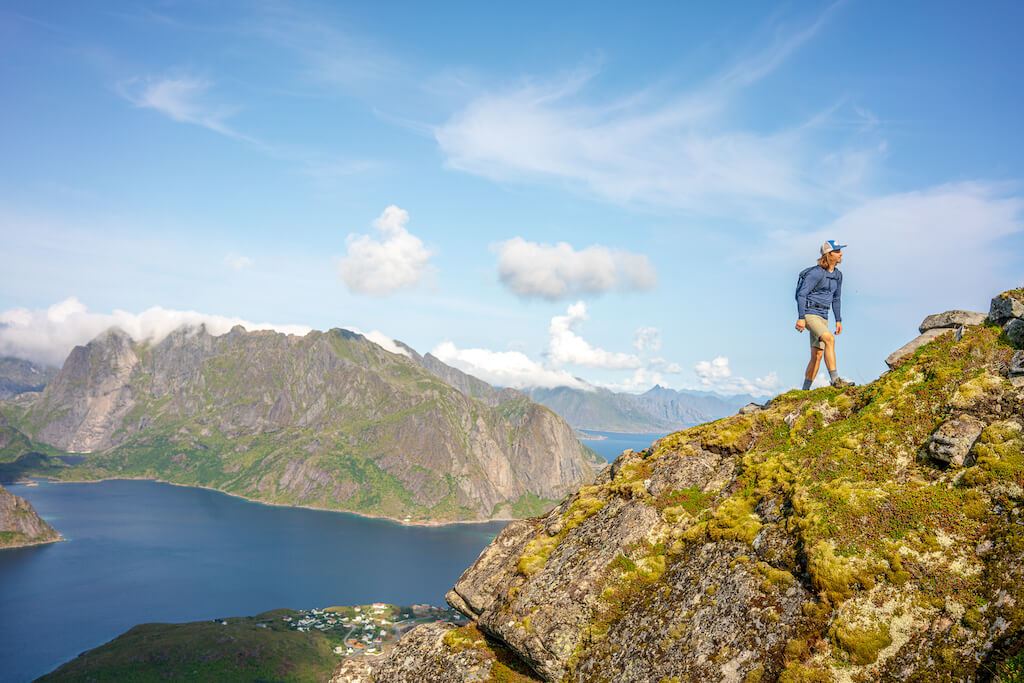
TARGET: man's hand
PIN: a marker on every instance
(800, 325)
(839, 327)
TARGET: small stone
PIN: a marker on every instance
(952, 319)
(953, 440)
(1004, 307)
(1014, 331)
(1017, 363)
(983, 548)
(751, 408)
(554, 527)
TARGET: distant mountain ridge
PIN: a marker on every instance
(19, 376)
(329, 419)
(658, 410)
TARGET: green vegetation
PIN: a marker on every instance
(256, 648)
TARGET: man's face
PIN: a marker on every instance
(838, 255)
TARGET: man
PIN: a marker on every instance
(821, 289)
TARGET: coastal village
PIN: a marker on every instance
(368, 630)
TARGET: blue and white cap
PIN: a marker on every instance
(831, 246)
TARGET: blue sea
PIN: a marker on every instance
(613, 443)
(142, 551)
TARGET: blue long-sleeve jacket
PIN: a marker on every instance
(828, 293)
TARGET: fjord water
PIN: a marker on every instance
(142, 551)
(614, 443)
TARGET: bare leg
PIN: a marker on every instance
(814, 364)
(830, 351)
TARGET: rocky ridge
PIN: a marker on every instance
(21, 525)
(329, 419)
(864, 534)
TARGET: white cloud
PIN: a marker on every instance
(556, 271)
(647, 339)
(184, 99)
(47, 336)
(715, 375)
(505, 368)
(664, 366)
(567, 347)
(665, 150)
(926, 250)
(380, 266)
(382, 340)
(237, 261)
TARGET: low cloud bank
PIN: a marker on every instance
(505, 368)
(48, 335)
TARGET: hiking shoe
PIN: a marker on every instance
(841, 383)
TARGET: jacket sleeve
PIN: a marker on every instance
(837, 298)
(810, 282)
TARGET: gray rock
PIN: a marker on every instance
(353, 670)
(1015, 332)
(423, 655)
(712, 622)
(1017, 363)
(953, 440)
(1016, 370)
(951, 319)
(913, 345)
(476, 589)
(1004, 307)
(751, 408)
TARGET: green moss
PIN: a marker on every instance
(755, 675)
(861, 644)
(796, 672)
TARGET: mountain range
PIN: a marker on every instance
(658, 410)
(329, 419)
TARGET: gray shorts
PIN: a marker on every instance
(817, 326)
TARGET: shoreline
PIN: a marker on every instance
(384, 518)
(59, 539)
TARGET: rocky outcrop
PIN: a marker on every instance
(934, 326)
(20, 525)
(869, 533)
(1007, 306)
(328, 419)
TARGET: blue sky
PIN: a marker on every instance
(535, 192)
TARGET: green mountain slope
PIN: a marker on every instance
(869, 534)
(328, 419)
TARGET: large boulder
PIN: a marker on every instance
(952, 319)
(1006, 306)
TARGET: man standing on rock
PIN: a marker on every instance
(821, 289)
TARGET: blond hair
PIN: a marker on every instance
(826, 261)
